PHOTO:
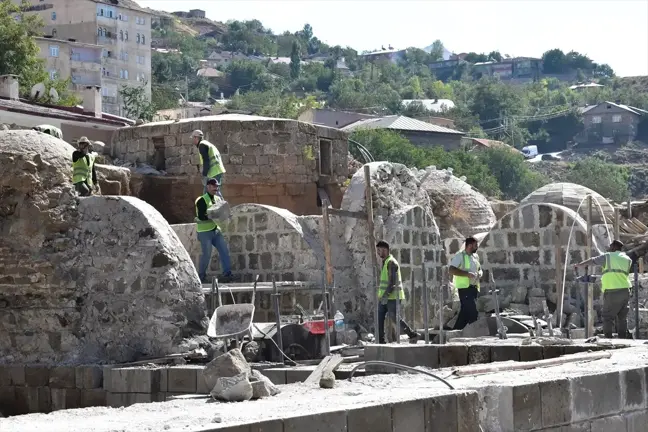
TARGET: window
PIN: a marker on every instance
(143, 40)
(616, 118)
(138, 38)
(325, 157)
(123, 74)
(52, 74)
(121, 34)
(141, 60)
(141, 77)
(125, 35)
(54, 50)
(98, 31)
(110, 14)
(101, 12)
(596, 119)
(124, 56)
(53, 32)
(53, 16)
(143, 21)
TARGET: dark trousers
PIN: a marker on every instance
(390, 308)
(615, 308)
(83, 188)
(468, 312)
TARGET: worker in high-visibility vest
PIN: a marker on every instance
(466, 271)
(210, 159)
(615, 287)
(84, 176)
(210, 235)
(49, 130)
(390, 292)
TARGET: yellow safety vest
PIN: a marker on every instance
(616, 271)
(397, 293)
(215, 162)
(82, 170)
(201, 225)
(461, 282)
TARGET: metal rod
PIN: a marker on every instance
(327, 330)
(397, 366)
(212, 299)
(218, 294)
(589, 329)
(560, 288)
(440, 299)
(629, 208)
(276, 295)
(636, 300)
(426, 307)
(397, 323)
(413, 299)
(616, 224)
(372, 244)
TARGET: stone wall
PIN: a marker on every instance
(520, 253)
(97, 279)
(268, 161)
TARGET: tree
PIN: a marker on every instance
(437, 50)
(473, 57)
(136, 102)
(608, 179)
(513, 175)
(554, 62)
(295, 61)
(18, 51)
(307, 32)
(495, 56)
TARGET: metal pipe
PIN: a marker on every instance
(397, 366)
(212, 299)
(275, 295)
(413, 299)
(327, 330)
(636, 299)
(441, 303)
(426, 307)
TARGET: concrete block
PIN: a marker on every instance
(133, 380)
(92, 398)
(609, 424)
(496, 413)
(577, 348)
(577, 427)
(164, 379)
(297, 375)
(12, 375)
(441, 413)
(453, 355)
(277, 376)
(527, 407)
(20, 406)
(479, 354)
(267, 426)
(326, 422)
(374, 419)
(201, 384)
(89, 377)
(556, 402)
(39, 400)
(552, 351)
(600, 394)
(65, 398)
(530, 352)
(415, 355)
(37, 376)
(408, 416)
(505, 353)
(637, 421)
(182, 379)
(62, 377)
(633, 390)
(467, 412)
(378, 352)
(7, 399)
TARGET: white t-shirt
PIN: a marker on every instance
(458, 262)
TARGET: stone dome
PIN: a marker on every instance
(571, 195)
(460, 210)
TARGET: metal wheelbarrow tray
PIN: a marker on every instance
(232, 321)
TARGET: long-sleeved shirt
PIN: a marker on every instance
(204, 152)
(392, 272)
(76, 155)
(202, 207)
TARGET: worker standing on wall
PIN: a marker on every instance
(390, 292)
(210, 235)
(615, 287)
(49, 130)
(84, 176)
(210, 159)
(466, 272)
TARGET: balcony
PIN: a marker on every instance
(109, 99)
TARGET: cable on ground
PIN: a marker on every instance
(398, 366)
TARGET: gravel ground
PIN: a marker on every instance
(198, 413)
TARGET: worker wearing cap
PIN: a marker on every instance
(210, 235)
(390, 292)
(615, 286)
(49, 130)
(466, 272)
(210, 159)
(84, 176)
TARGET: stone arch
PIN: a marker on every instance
(520, 253)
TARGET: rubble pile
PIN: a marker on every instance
(232, 380)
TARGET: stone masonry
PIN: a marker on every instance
(276, 162)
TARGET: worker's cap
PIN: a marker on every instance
(617, 243)
(213, 182)
(197, 133)
(83, 141)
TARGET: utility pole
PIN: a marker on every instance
(186, 89)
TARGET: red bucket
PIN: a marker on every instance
(317, 327)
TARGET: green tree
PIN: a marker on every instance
(136, 102)
(608, 179)
(295, 62)
(18, 51)
(512, 172)
(437, 50)
(307, 32)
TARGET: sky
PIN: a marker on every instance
(608, 31)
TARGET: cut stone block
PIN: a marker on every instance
(530, 352)
(408, 416)
(37, 376)
(267, 426)
(63, 377)
(134, 380)
(453, 355)
(441, 413)
(39, 400)
(326, 422)
(182, 379)
(7, 399)
(527, 407)
(277, 376)
(633, 386)
(65, 398)
(496, 413)
(297, 375)
(609, 424)
(467, 412)
(479, 354)
(12, 375)
(505, 353)
(600, 394)
(92, 398)
(556, 402)
(201, 384)
(374, 419)
(636, 422)
(552, 351)
(415, 355)
(89, 377)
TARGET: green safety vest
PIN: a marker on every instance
(215, 162)
(461, 282)
(616, 271)
(208, 225)
(397, 293)
(82, 169)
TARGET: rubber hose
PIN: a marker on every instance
(397, 366)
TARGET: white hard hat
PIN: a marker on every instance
(197, 133)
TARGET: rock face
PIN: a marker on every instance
(97, 279)
(228, 365)
(113, 180)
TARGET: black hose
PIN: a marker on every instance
(397, 366)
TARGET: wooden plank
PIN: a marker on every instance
(330, 362)
(346, 213)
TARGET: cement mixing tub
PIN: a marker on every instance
(233, 321)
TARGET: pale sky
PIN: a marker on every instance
(608, 31)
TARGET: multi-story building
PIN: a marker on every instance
(121, 28)
(78, 61)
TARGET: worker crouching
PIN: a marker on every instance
(390, 294)
(84, 176)
(210, 160)
(466, 272)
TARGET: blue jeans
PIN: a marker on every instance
(219, 179)
(209, 239)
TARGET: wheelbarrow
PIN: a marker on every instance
(232, 322)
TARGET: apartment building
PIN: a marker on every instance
(120, 27)
(78, 61)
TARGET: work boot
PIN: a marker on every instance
(227, 278)
(414, 337)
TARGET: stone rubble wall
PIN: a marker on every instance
(97, 279)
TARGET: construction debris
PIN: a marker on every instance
(324, 373)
